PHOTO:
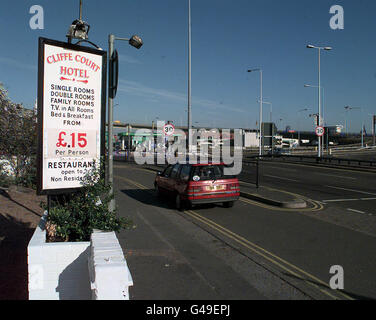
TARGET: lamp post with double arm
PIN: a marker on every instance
(319, 88)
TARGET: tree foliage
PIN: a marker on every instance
(75, 217)
(18, 139)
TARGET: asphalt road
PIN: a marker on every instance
(344, 189)
(253, 251)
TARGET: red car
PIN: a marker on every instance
(192, 184)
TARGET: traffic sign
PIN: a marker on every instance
(320, 131)
(168, 129)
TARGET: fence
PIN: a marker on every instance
(333, 161)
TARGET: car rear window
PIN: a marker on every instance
(209, 172)
(174, 171)
(185, 172)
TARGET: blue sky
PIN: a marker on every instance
(228, 37)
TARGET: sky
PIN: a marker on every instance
(228, 38)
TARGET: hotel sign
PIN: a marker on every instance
(71, 114)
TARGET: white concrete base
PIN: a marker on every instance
(109, 274)
(77, 270)
(57, 271)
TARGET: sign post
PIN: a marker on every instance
(71, 114)
(373, 129)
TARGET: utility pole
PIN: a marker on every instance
(111, 207)
(319, 89)
(373, 130)
(189, 79)
(134, 41)
(261, 146)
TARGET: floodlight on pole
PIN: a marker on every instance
(79, 29)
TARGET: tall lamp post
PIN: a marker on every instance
(347, 108)
(373, 127)
(322, 99)
(189, 79)
(271, 109)
(136, 42)
(260, 124)
(322, 108)
(361, 112)
(319, 88)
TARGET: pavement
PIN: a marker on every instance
(271, 196)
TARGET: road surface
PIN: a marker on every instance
(253, 250)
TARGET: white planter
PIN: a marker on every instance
(57, 271)
(109, 274)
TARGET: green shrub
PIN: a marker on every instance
(5, 179)
(75, 218)
(18, 141)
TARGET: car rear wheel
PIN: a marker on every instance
(157, 191)
(228, 204)
(179, 204)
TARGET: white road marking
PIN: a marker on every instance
(270, 176)
(344, 200)
(339, 200)
(353, 210)
(279, 168)
(336, 176)
(357, 191)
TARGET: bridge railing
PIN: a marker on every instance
(369, 164)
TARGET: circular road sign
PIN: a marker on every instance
(320, 131)
(168, 129)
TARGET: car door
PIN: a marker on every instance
(170, 187)
(181, 183)
(163, 178)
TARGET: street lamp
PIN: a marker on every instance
(361, 112)
(319, 87)
(260, 142)
(79, 29)
(134, 41)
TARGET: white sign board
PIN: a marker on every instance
(320, 131)
(71, 104)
